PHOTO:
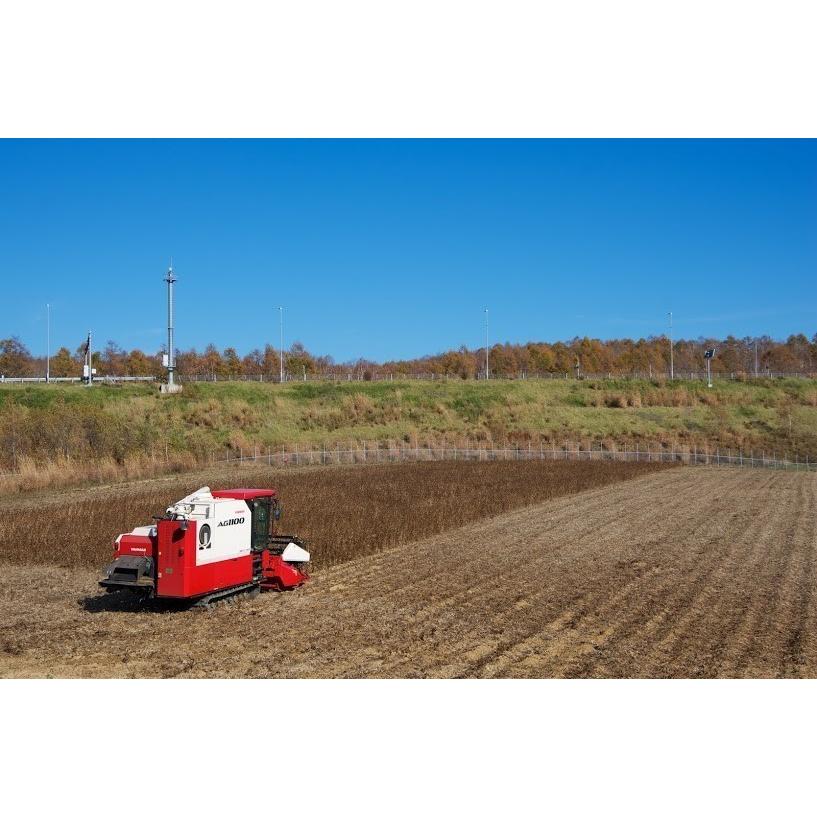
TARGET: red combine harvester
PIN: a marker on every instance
(209, 545)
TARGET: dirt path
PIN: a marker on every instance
(690, 572)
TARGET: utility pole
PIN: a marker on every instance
(487, 370)
(756, 358)
(48, 343)
(671, 363)
(281, 316)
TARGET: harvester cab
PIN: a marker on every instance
(209, 545)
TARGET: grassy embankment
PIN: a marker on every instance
(47, 433)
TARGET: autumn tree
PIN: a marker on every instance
(64, 365)
(15, 359)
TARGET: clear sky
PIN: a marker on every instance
(389, 249)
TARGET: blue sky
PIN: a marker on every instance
(389, 249)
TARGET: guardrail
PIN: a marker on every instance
(361, 377)
(98, 378)
(347, 377)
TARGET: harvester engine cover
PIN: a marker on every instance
(209, 545)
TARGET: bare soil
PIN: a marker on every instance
(688, 572)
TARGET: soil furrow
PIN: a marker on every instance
(690, 572)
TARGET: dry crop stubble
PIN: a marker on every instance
(343, 512)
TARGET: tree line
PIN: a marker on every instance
(646, 356)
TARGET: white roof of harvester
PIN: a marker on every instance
(197, 504)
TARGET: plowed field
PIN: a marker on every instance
(688, 572)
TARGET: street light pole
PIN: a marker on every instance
(487, 370)
(48, 343)
(171, 342)
(671, 363)
(281, 316)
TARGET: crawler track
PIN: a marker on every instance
(691, 572)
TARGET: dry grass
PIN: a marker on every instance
(63, 472)
(343, 512)
(65, 435)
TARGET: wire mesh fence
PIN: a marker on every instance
(354, 453)
(364, 452)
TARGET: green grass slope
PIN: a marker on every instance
(41, 422)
